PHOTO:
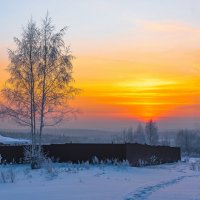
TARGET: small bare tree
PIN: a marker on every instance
(139, 136)
(151, 130)
(128, 135)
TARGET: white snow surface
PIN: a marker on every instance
(101, 182)
(8, 140)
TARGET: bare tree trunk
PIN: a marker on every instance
(43, 94)
(31, 103)
(42, 113)
(33, 110)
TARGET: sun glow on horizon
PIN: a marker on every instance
(147, 83)
(142, 99)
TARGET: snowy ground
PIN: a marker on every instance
(101, 182)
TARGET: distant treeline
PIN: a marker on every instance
(189, 141)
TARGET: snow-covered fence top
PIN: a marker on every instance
(12, 141)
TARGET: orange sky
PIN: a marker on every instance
(138, 81)
(156, 77)
(132, 90)
(148, 69)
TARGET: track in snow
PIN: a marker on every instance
(144, 193)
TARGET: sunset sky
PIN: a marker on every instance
(135, 60)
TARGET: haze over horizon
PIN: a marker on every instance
(135, 60)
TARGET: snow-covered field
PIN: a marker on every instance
(101, 182)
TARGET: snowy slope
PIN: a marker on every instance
(8, 140)
(102, 182)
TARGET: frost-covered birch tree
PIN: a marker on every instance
(40, 86)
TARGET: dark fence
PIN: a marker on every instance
(136, 154)
(85, 152)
